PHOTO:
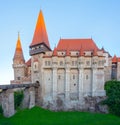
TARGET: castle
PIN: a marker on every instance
(75, 69)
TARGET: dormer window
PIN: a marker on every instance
(77, 54)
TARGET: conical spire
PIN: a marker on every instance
(18, 45)
(55, 52)
(40, 33)
(18, 51)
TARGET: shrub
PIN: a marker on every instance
(18, 97)
(1, 110)
(113, 92)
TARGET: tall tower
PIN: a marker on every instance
(39, 45)
(40, 42)
(18, 62)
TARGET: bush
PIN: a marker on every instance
(113, 92)
(18, 97)
(1, 110)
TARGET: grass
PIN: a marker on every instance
(39, 116)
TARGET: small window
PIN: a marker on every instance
(86, 76)
(73, 76)
(46, 63)
(61, 63)
(103, 61)
(76, 63)
(77, 54)
(87, 62)
(18, 78)
(74, 84)
(59, 77)
(35, 66)
(72, 63)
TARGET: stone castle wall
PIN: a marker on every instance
(32, 97)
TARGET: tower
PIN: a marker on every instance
(18, 62)
(40, 42)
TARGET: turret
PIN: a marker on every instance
(18, 62)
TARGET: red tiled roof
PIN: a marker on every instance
(119, 59)
(28, 63)
(67, 52)
(81, 52)
(75, 44)
(114, 59)
(95, 52)
(40, 34)
(55, 52)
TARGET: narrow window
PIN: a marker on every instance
(72, 63)
(61, 63)
(86, 76)
(18, 78)
(88, 63)
(59, 77)
(73, 76)
(35, 66)
(46, 63)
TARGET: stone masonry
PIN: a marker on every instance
(7, 97)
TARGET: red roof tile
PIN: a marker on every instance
(28, 63)
(40, 34)
(75, 44)
(95, 52)
(67, 52)
(81, 52)
(55, 52)
(114, 59)
(118, 59)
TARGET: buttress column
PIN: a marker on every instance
(67, 84)
(54, 83)
(81, 77)
(94, 80)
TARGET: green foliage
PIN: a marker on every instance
(1, 110)
(39, 116)
(18, 97)
(113, 92)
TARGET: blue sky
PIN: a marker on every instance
(99, 19)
